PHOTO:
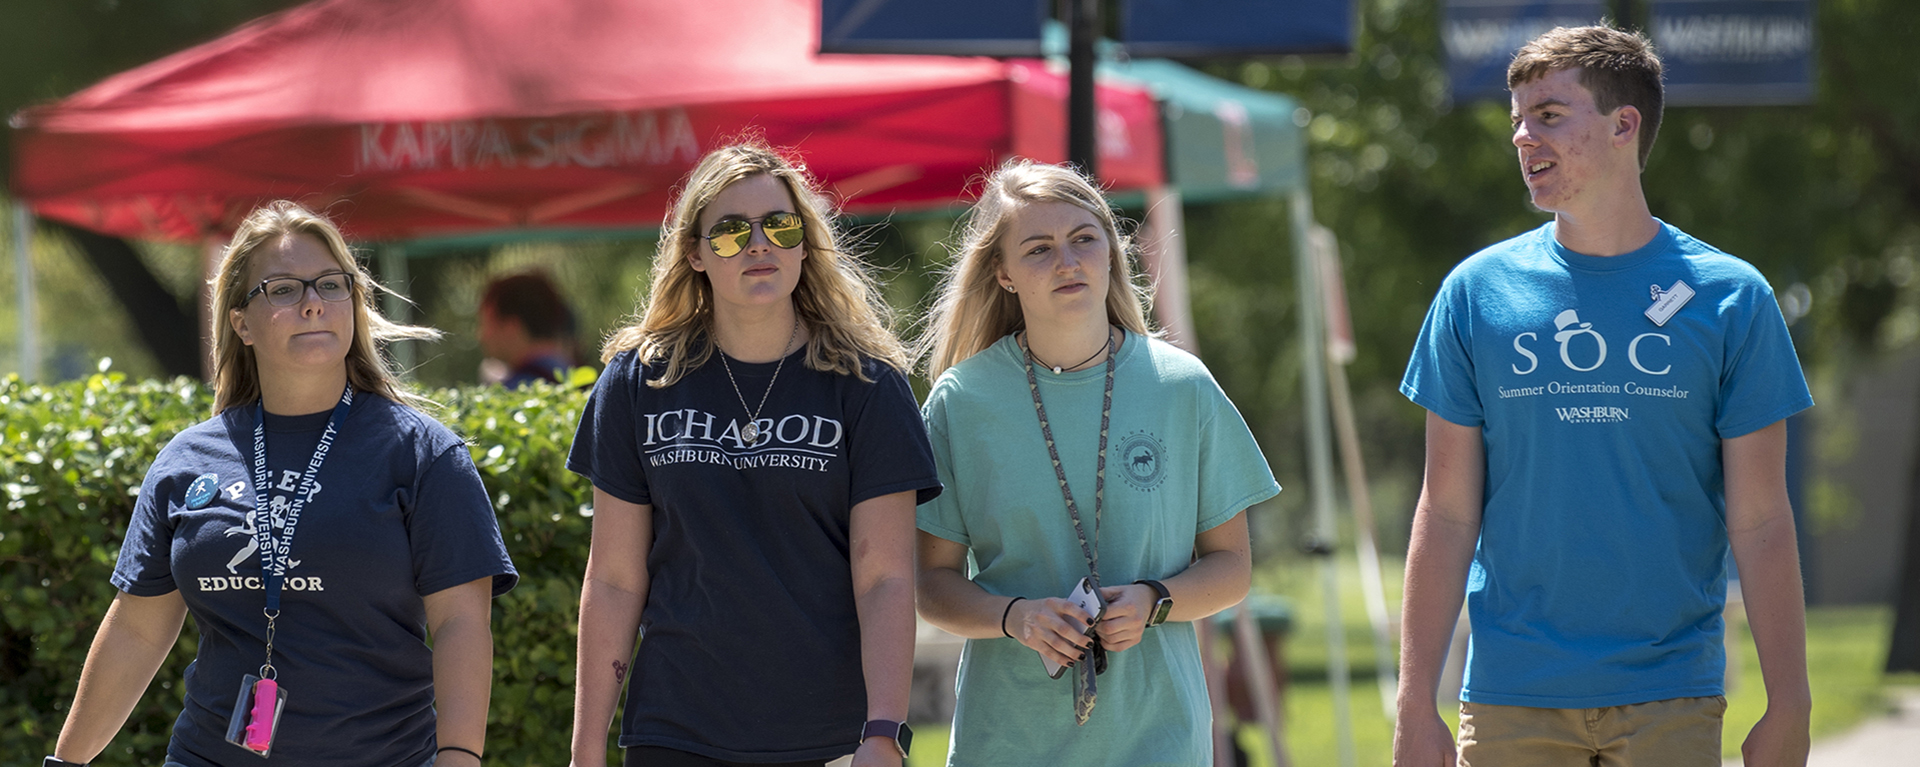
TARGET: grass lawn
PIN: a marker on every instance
(1845, 647)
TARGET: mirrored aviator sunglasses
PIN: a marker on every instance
(730, 236)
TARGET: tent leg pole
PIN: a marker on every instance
(1340, 351)
(1164, 257)
(1320, 465)
(23, 281)
(1385, 672)
(212, 250)
(394, 303)
(1252, 648)
(1216, 673)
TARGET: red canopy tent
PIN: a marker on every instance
(410, 118)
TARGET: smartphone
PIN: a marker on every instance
(1088, 599)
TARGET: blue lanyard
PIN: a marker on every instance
(274, 553)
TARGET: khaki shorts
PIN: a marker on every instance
(1681, 732)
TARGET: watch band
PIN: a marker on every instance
(1161, 607)
(901, 734)
(54, 761)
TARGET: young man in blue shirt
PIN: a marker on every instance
(1606, 400)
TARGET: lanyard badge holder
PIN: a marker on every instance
(1084, 673)
(257, 709)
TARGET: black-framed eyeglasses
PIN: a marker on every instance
(287, 291)
(730, 236)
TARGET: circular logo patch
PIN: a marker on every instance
(1142, 460)
(200, 493)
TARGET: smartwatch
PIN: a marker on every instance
(1161, 607)
(54, 761)
(901, 734)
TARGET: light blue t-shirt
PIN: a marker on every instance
(1180, 461)
(1603, 387)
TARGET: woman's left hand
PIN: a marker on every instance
(877, 752)
(1126, 619)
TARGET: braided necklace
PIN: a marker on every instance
(1085, 686)
(1089, 548)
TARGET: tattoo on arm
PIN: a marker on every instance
(619, 672)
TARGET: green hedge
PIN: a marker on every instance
(72, 456)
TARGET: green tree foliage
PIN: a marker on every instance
(72, 457)
(48, 50)
(71, 461)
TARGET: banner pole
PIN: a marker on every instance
(23, 280)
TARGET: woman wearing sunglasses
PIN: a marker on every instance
(756, 455)
(1074, 445)
(320, 530)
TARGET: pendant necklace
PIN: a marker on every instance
(750, 433)
(1077, 366)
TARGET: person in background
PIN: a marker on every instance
(526, 327)
(397, 545)
(1073, 445)
(1607, 400)
(755, 455)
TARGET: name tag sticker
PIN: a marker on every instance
(1667, 303)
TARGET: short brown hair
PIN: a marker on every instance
(1617, 67)
(532, 299)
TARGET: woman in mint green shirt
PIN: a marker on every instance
(1072, 443)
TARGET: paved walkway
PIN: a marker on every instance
(1892, 740)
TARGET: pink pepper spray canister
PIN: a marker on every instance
(266, 696)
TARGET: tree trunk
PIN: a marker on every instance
(1903, 652)
(170, 333)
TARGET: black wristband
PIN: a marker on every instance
(1004, 614)
(54, 761)
(475, 754)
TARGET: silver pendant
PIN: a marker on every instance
(750, 433)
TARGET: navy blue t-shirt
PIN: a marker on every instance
(751, 648)
(400, 513)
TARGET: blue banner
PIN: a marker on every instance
(1481, 36)
(971, 28)
(1735, 52)
(1208, 28)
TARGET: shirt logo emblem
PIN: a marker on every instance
(1142, 461)
(201, 492)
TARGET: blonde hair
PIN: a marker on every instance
(836, 297)
(971, 311)
(236, 375)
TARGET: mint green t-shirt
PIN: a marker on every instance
(1180, 461)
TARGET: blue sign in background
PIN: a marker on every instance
(1735, 52)
(1716, 52)
(1164, 28)
(971, 28)
(1481, 35)
(1202, 28)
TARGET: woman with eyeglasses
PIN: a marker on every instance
(756, 455)
(1074, 445)
(320, 529)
